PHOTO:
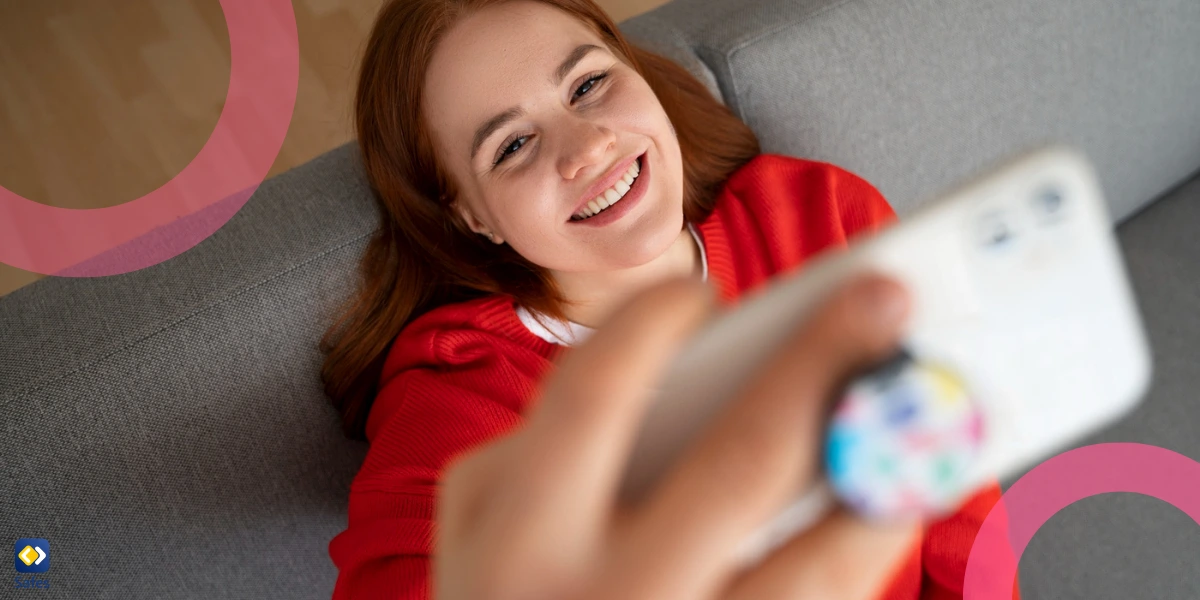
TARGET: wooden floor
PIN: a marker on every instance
(103, 101)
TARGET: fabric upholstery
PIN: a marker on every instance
(916, 94)
(166, 428)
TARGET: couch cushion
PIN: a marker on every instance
(166, 428)
(1121, 546)
(916, 95)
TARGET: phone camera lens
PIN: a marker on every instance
(1049, 202)
(995, 231)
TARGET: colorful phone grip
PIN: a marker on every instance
(902, 439)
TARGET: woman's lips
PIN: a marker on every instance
(631, 198)
(605, 183)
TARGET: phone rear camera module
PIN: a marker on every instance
(1049, 204)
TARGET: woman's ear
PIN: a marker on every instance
(473, 223)
(468, 217)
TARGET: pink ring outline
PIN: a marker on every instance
(1061, 481)
(263, 80)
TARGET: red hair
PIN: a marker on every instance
(423, 254)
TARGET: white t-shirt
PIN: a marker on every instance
(571, 333)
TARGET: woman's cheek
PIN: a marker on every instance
(649, 113)
(534, 210)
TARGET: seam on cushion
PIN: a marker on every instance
(785, 25)
(680, 40)
(38, 386)
(728, 55)
(709, 55)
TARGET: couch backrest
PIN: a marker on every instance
(916, 95)
(166, 431)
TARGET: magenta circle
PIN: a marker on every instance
(1061, 481)
(264, 75)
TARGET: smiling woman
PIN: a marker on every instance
(485, 127)
(560, 121)
(534, 171)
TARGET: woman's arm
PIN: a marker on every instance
(829, 206)
(431, 417)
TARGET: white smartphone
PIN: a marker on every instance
(1021, 307)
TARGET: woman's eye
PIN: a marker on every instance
(515, 144)
(589, 84)
(509, 149)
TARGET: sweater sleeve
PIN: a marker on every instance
(947, 542)
(430, 416)
(861, 208)
(800, 208)
(947, 545)
(785, 211)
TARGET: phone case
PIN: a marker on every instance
(1024, 336)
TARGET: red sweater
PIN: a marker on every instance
(463, 374)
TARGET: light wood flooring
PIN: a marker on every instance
(103, 101)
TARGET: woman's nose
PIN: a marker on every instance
(586, 144)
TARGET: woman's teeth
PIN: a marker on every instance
(610, 196)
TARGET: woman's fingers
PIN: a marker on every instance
(584, 425)
(764, 447)
(841, 558)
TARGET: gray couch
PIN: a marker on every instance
(166, 429)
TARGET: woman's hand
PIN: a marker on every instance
(534, 515)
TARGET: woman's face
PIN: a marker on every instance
(532, 117)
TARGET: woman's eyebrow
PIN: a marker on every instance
(487, 129)
(573, 59)
(498, 121)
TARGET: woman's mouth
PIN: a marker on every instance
(612, 199)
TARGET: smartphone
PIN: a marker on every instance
(1023, 337)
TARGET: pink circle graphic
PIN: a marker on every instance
(264, 75)
(1061, 481)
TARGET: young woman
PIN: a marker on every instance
(534, 171)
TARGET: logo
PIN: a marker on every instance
(32, 555)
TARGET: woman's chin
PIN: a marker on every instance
(644, 249)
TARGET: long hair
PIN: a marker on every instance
(424, 255)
